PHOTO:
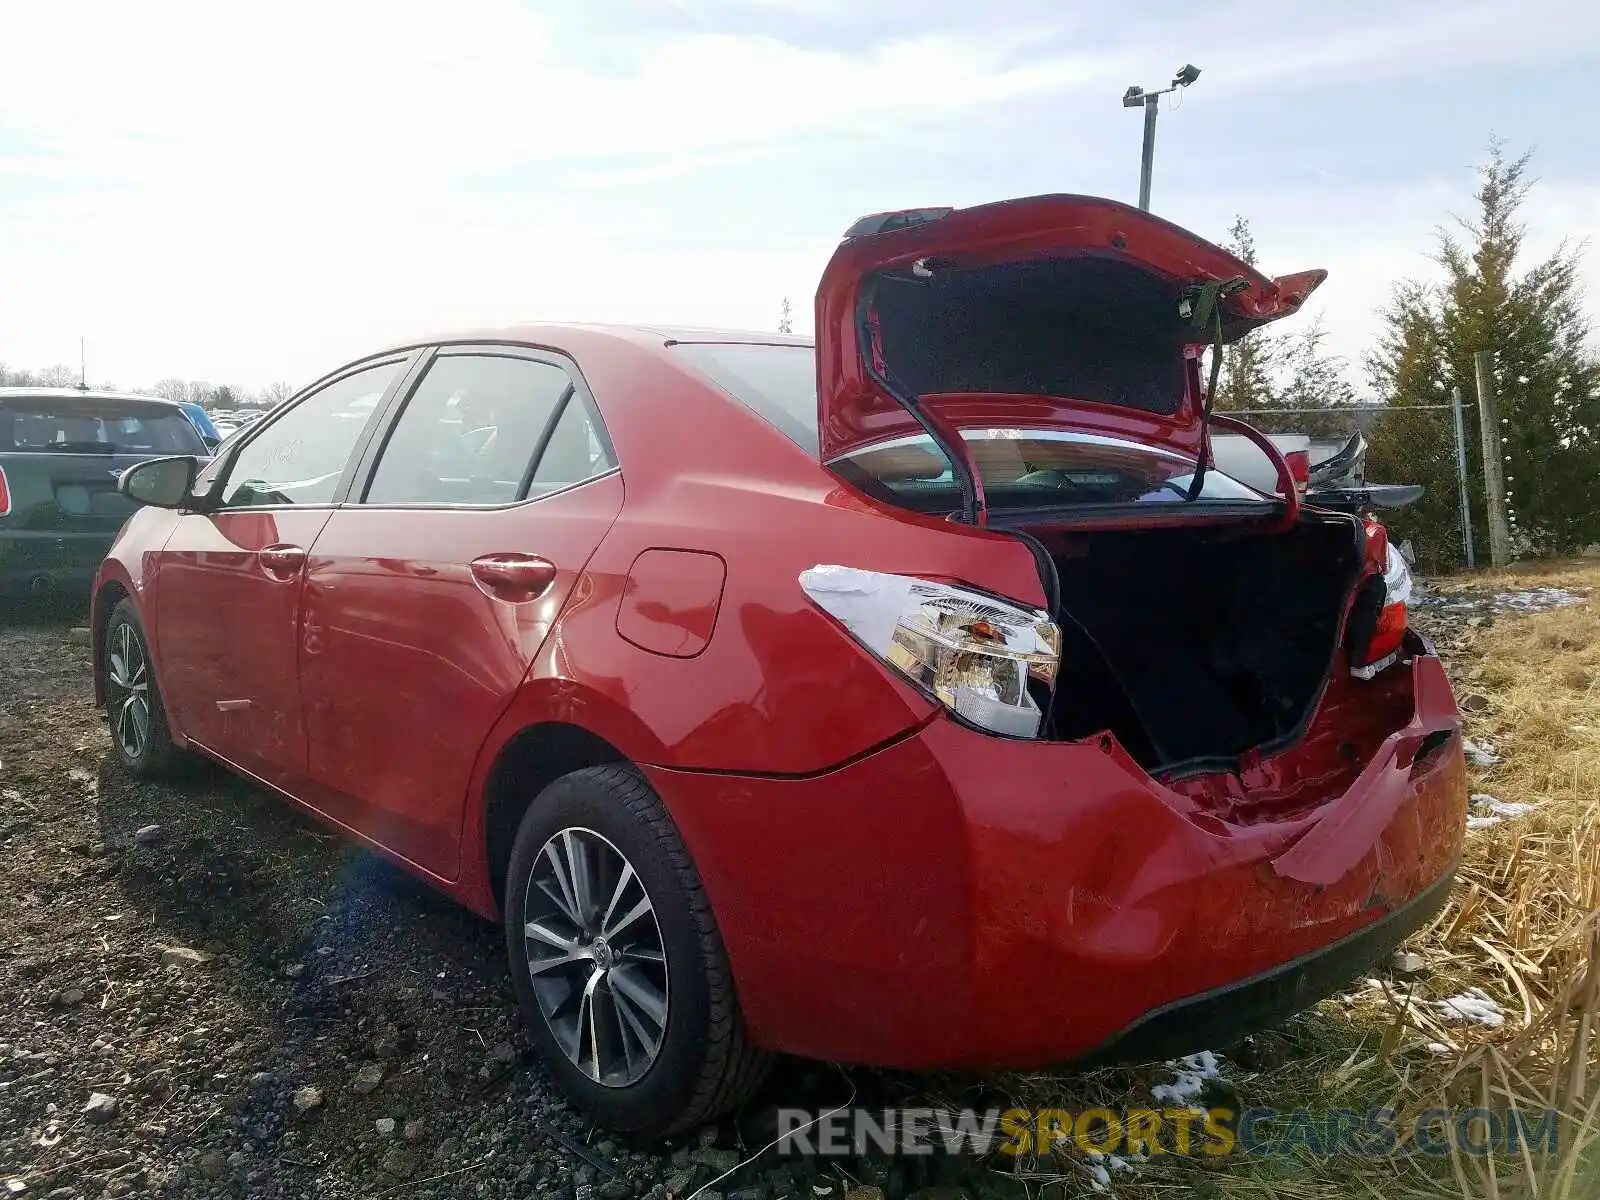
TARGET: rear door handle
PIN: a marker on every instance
(514, 576)
(282, 561)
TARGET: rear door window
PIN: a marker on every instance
(472, 430)
(577, 450)
(46, 425)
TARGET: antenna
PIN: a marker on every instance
(83, 364)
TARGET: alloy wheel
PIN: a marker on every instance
(128, 704)
(596, 957)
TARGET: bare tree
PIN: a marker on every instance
(59, 375)
(172, 388)
(276, 393)
(785, 317)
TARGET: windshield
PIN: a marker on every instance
(78, 426)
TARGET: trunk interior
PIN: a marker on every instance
(1195, 645)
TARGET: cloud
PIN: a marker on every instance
(1254, 49)
(247, 193)
(205, 92)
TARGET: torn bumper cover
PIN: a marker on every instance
(992, 902)
(1224, 1014)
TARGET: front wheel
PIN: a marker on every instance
(134, 712)
(617, 962)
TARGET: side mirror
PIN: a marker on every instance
(161, 482)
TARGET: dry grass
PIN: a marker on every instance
(1523, 925)
(1525, 920)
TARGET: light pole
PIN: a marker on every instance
(1136, 97)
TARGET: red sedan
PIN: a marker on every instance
(919, 697)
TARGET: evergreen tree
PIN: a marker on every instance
(1245, 384)
(1547, 382)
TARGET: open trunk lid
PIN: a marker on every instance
(1050, 313)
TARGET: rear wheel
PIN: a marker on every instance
(134, 712)
(617, 962)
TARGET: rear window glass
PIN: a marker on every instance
(778, 382)
(1037, 469)
(49, 426)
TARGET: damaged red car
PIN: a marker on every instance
(918, 697)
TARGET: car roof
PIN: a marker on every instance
(557, 333)
(71, 393)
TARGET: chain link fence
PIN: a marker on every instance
(1436, 446)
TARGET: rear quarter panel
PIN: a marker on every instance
(779, 689)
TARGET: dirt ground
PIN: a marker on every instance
(271, 1012)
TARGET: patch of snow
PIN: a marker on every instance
(1440, 1048)
(1539, 599)
(1480, 754)
(1376, 985)
(1482, 822)
(1193, 1071)
(1474, 1005)
(1487, 806)
(1103, 1166)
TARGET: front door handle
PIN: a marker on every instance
(282, 561)
(514, 576)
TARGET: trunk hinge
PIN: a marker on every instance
(974, 507)
(1202, 305)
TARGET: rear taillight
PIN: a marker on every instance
(1299, 469)
(1389, 629)
(973, 653)
(5, 494)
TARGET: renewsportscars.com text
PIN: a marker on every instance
(1142, 1132)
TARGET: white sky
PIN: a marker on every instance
(244, 193)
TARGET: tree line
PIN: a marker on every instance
(216, 397)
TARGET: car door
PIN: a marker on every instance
(229, 579)
(429, 593)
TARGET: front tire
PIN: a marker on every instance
(135, 714)
(618, 966)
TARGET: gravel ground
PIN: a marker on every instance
(209, 995)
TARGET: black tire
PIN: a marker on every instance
(152, 755)
(704, 1065)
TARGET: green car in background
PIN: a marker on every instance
(61, 452)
